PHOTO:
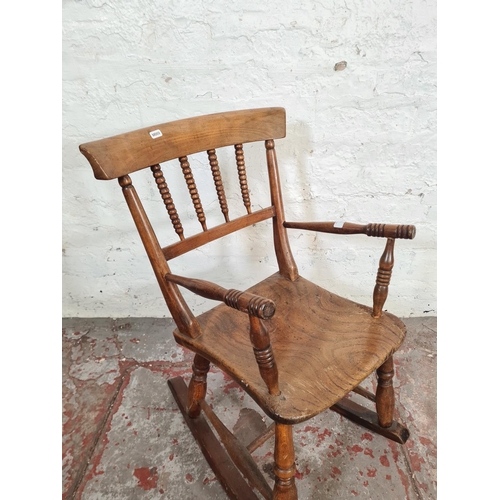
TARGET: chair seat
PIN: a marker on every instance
(319, 359)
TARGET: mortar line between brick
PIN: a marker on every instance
(100, 429)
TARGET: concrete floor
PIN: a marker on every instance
(124, 437)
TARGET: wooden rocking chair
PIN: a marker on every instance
(294, 347)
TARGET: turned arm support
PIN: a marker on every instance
(384, 273)
(380, 230)
(252, 304)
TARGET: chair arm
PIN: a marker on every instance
(247, 302)
(379, 230)
(386, 263)
(256, 307)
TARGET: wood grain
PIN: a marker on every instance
(286, 262)
(234, 485)
(263, 352)
(180, 311)
(250, 303)
(239, 454)
(319, 360)
(216, 232)
(284, 464)
(125, 153)
(369, 419)
(294, 347)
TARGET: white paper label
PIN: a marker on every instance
(155, 134)
(339, 224)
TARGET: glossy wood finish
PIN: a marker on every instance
(379, 230)
(319, 360)
(126, 153)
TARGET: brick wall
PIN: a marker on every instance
(360, 146)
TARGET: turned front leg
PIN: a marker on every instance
(384, 398)
(284, 464)
(383, 278)
(198, 385)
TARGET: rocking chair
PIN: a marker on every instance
(294, 347)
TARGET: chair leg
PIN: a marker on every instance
(284, 464)
(385, 393)
(198, 385)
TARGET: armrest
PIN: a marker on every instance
(256, 307)
(379, 230)
(386, 263)
(250, 303)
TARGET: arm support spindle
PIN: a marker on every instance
(381, 289)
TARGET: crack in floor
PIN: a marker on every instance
(100, 429)
(411, 474)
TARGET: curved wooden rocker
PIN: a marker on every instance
(294, 347)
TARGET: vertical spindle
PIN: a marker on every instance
(167, 200)
(242, 174)
(219, 186)
(193, 191)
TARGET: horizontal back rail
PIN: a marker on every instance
(125, 153)
(216, 232)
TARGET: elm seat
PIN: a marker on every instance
(343, 343)
(296, 348)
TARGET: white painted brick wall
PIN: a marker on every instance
(360, 146)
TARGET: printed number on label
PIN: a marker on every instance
(155, 134)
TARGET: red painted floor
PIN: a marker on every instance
(124, 437)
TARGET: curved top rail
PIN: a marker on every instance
(125, 153)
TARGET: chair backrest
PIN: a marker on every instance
(117, 157)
